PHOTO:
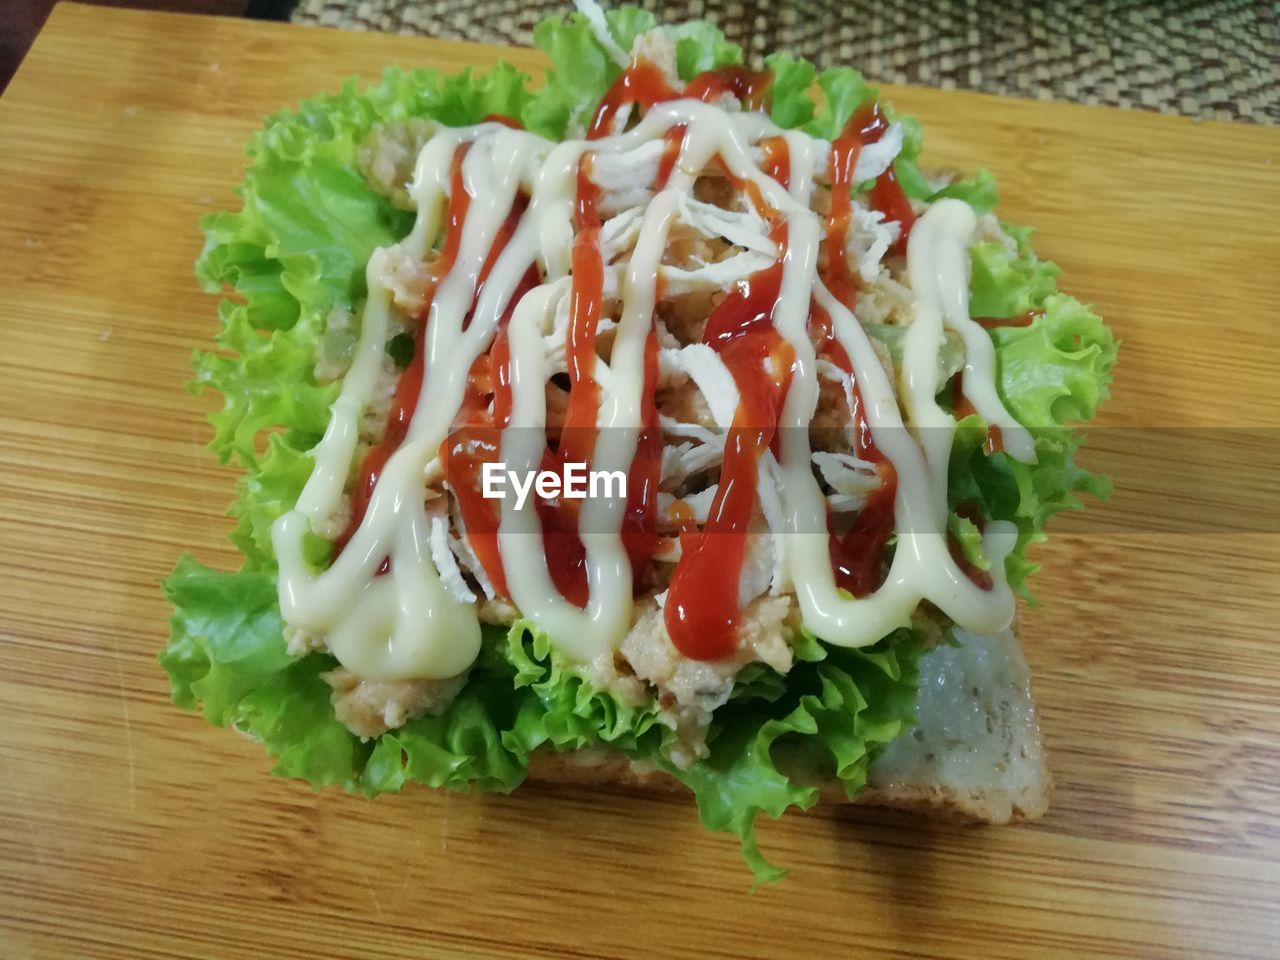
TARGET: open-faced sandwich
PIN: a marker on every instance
(667, 425)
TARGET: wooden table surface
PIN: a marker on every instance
(130, 829)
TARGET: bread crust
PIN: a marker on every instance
(1001, 775)
(599, 768)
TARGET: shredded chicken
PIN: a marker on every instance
(498, 611)
(298, 642)
(332, 526)
(678, 398)
(369, 708)
(832, 425)
(690, 690)
(988, 230)
(407, 278)
(336, 345)
(657, 47)
(373, 422)
(387, 155)
(686, 319)
(886, 300)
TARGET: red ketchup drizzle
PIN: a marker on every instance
(703, 622)
(777, 160)
(475, 441)
(464, 453)
(886, 195)
(503, 119)
(701, 611)
(500, 240)
(749, 86)
(410, 384)
(961, 408)
(500, 369)
(577, 439)
(844, 154)
(565, 553)
(866, 126)
(754, 194)
(566, 556)
(639, 525)
(857, 554)
(670, 154)
(642, 83)
(824, 339)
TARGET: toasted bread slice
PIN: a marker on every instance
(974, 754)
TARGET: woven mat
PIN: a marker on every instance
(1218, 59)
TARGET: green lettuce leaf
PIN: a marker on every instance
(978, 191)
(468, 95)
(700, 46)
(581, 69)
(843, 91)
(465, 747)
(790, 102)
(227, 656)
(289, 713)
(1026, 494)
(969, 537)
(1009, 284)
(566, 712)
(226, 637)
(262, 496)
(1057, 370)
(906, 165)
(836, 714)
(1053, 373)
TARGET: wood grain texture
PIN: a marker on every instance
(129, 829)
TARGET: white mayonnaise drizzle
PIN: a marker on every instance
(940, 276)
(409, 623)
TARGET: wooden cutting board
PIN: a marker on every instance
(130, 829)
